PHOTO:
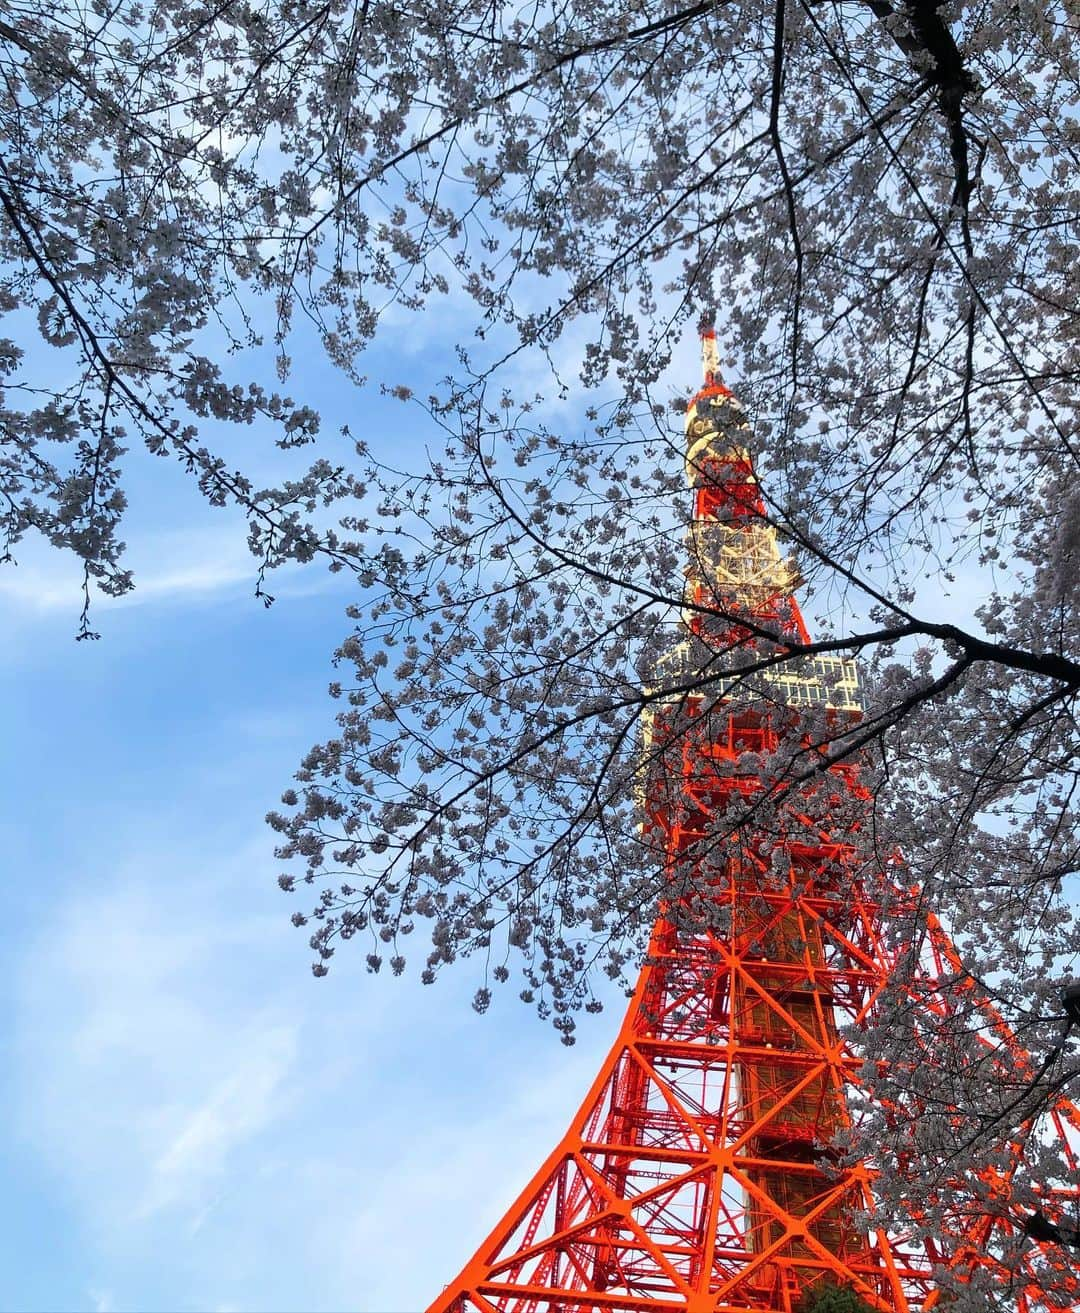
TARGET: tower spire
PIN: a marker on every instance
(710, 358)
(703, 1173)
(712, 383)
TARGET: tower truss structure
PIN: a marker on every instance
(704, 1171)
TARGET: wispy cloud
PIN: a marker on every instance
(171, 568)
(232, 1111)
(234, 1133)
(169, 565)
(142, 1082)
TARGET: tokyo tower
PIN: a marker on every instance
(704, 1171)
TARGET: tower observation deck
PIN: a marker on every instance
(704, 1171)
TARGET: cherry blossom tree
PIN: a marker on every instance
(878, 196)
(875, 202)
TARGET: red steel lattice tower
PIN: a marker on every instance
(702, 1174)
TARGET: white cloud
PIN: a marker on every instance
(236, 1134)
(141, 1081)
(231, 1132)
(235, 1108)
(168, 565)
(171, 568)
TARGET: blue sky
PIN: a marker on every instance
(192, 1120)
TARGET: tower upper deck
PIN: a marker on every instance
(739, 595)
